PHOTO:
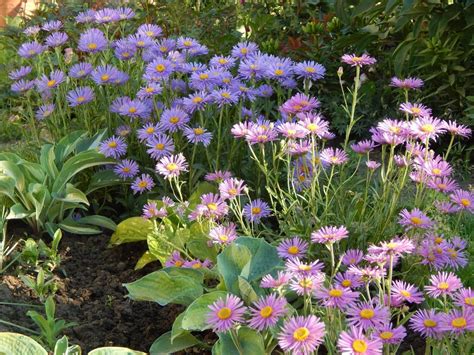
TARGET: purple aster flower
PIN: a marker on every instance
(244, 50)
(54, 25)
(301, 335)
(299, 103)
(142, 183)
(212, 206)
(415, 109)
(87, 16)
(224, 97)
(348, 280)
(126, 169)
(356, 61)
(260, 135)
(266, 312)
(32, 30)
(292, 248)
(19, 73)
(463, 199)
(465, 298)
(218, 176)
(140, 41)
(173, 119)
(334, 156)
(354, 342)
(363, 147)
(300, 268)
(46, 83)
(124, 49)
(231, 188)
(336, 296)
(396, 246)
(372, 165)
(221, 61)
(56, 39)
(149, 91)
(125, 13)
(31, 49)
(175, 260)
(437, 167)
(443, 283)
(457, 129)
(135, 109)
(310, 70)
(197, 264)
(193, 67)
(106, 15)
(150, 30)
(240, 130)
(158, 69)
(458, 321)
(226, 313)
(22, 86)
(80, 96)
(148, 131)
(105, 74)
(329, 234)
(253, 67)
(427, 128)
(159, 146)
(367, 315)
(114, 147)
(186, 43)
(256, 210)
(414, 219)
(427, 323)
(390, 335)
(172, 166)
(150, 210)
(44, 111)
(223, 235)
(313, 123)
(352, 257)
(408, 83)
(92, 41)
(198, 135)
(282, 278)
(292, 130)
(281, 70)
(443, 184)
(404, 292)
(80, 70)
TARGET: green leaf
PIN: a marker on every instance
(14, 343)
(195, 316)
(47, 160)
(166, 286)
(250, 341)
(231, 262)
(99, 221)
(7, 187)
(164, 345)
(132, 229)
(400, 54)
(145, 259)
(67, 145)
(246, 291)
(177, 328)
(39, 195)
(61, 346)
(86, 143)
(163, 242)
(71, 226)
(72, 195)
(10, 169)
(17, 211)
(202, 188)
(115, 350)
(103, 178)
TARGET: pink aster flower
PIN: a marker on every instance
(390, 335)
(416, 110)
(334, 156)
(197, 264)
(458, 321)
(347, 279)
(307, 284)
(218, 176)
(329, 234)
(291, 130)
(298, 267)
(211, 206)
(175, 260)
(465, 298)
(261, 135)
(231, 188)
(442, 184)
(363, 147)
(427, 128)
(282, 278)
(299, 103)
(408, 83)
(443, 283)
(266, 311)
(463, 199)
(226, 313)
(354, 342)
(358, 61)
(313, 123)
(292, 248)
(368, 273)
(151, 210)
(405, 292)
(396, 246)
(172, 166)
(301, 335)
(336, 296)
(367, 315)
(414, 219)
(446, 207)
(223, 235)
(437, 167)
(352, 257)
(427, 323)
(142, 183)
(372, 165)
(457, 129)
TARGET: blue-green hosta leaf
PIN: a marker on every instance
(10, 169)
(195, 316)
(103, 178)
(231, 262)
(250, 341)
(39, 196)
(67, 145)
(18, 211)
(166, 286)
(71, 226)
(130, 230)
(72, 195)
(14, 343)
(47, 160)
(164, 344)
(99, 221)
(7, 187)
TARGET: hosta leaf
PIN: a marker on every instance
(72, 195)
(115, 350)
(18, 211)
(250, 340)
(14, 343)
(145, 259)
(99, 221)
(47, 160)
(75, 227)
(7, 187)
(195, 316)
(164, 345)
(103, 178)
(132, 229)
(10, 169)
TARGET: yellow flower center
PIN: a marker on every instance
(126, 169)
(262, 137)
(203, 76)
(459, 322)
(357, 59)
(163, 49)
(415, 110)
(197, 99)
(140, 43)
(160, 68)
(225, 95)
(416, 220)
(142, 184)
(212, 206)
(293, 250)
(394, 129)
(178, 263)
(428, 128)
(346, 283)
(335, 292)
(359, 346)
(112, 144)
(198, 131)
(436, 171)
(442, 186)
(105, 77)
(149, 90)
(392, 245)
(31, 52)
(51, 83)
(306, 283)
(469, 301)
(386, 335)
(312, 127)
(232, 191)
(80, 99)
(160, 146)
(223, 238)
(197, 266)
(278, 72)
(149, 33)
(367, 313)
(430, 323)
(301, 334)
(438, 240)
(150, 130)
(266, 312)
(304, 267)
(174, 119)
(443, 285)
(256, 210)
(310, 69)
(171, 166)
(405, 293)
(187, 43)
(465, 202)
(223, 61)
(125, 54)
(244, 50)
(224, 313)
(81, 72)
(92, 45)
(132, 109)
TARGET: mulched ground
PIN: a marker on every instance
(91, 294)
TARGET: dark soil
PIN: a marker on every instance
(91, 294)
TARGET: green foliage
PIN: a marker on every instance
(44, 193)
(251, 342)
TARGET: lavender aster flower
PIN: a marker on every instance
(354, 342)
(292, 248)
(19, 73)
(56, 39)
(198, 135)
(32, 30)
(334, 156)
(256, 210)
(92, 41)
(31, 49)
(356, 61)
(173, 119)
(114, 147)
(427, 323)
(172, 166)
(226, 313)
(352, 257)
(443, 283)
(54, 25)
(46, 83)
(80, 96)
(223, 235)
(310, 70)
(142, 183)
(301, 335)
(80, 70)
(22, 86)
(244, 50)
(463, 199)
(404, 292)
(126, 169)
(366, 315)
(44, 111)
(414, 219)
(390, 335)
(266, 312)
(407, 84)
(150, 30)
(159, 146)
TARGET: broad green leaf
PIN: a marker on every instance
(15, 344)
(67, 145)
(195, 316)
(177, 328)
(163, 287)
(10, 169)
(168, 238)
(164, 345)
(18, 211)
(47, 160)
(231, 262)
(132, 229)
(103, 178)
(145, 259)
(61, 346)
(39, 196)
(250, 341)
(115, 350)
(86, 143)
(7, 187)
(71, 226)
(202, 188)
(99, 221)
(72, 195)
(247, 292)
